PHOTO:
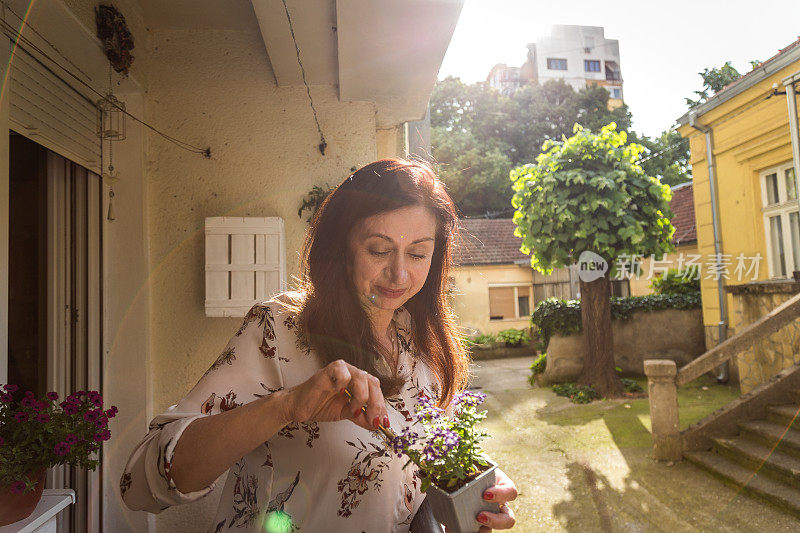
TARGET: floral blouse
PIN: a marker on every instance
(318, 476)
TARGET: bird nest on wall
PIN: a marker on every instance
(117, 39)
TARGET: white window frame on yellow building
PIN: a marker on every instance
(783, 208)
(516, 287)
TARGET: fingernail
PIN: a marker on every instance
(482, 518)
(488, 495)
(376, 422)
(386, 421)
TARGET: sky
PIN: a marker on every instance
(663, 44)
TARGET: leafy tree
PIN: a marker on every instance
(714, 79)
(478, 135)
(588, 193)
(665, 157)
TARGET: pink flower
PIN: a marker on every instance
(28, 394)
(28, 401)
(95, 398)
(21, 416)
(101, 422)
(10, 387)
(43, 417)
(18, 487)
(41, 406)
(62, 448)
(6, 397)
(69, 408)
(52, 395)
(71, 439)
(98, 437)
(91, 416)
(111, 413)
(105, 434)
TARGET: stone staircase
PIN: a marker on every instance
(763, 460)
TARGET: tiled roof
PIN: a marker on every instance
(492, 241)
(682, 206)
(488, 241)
(747, 75)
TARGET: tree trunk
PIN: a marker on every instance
(599, 369)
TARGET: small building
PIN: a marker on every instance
(745, 157)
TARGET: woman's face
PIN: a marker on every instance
(390, 256)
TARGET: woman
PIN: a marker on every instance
(371, 317)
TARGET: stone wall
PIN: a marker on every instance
(675, 334)
(774, 353)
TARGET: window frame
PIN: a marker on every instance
(783, 208)
(587, 62)
(554, 60)
(516, 287)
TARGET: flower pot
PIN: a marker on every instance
(15, 507)
(458, 510)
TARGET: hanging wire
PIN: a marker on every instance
(16, 36)
(322, 143)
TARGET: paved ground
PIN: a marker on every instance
(589, 468)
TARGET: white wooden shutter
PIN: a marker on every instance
(245, 263)
(47, 110)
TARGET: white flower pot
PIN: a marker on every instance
(459, 510)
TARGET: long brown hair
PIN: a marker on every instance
(330, 313)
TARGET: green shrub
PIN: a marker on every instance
(576, 393)
(537, 367)
(487, 338)
(514, 337)
(631, 385)
(555, 316)
(677, 281)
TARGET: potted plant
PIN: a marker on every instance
(452, 468)
(36, 434)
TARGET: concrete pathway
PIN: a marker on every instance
(589, 468)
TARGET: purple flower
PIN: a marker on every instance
(469, 399)
(62, 448)
(52, 395)
(69, 408)
(95, 398)
(43, 417)
(41, 406)
(91, 416)
(28, 394)
(6, 397)
(10, 387)
(111, 413)
(98, 437)
(21, 416)
(71, 439)
(27, 401)
(18, 487)
(105, 434)
(74, 399)
(101, 422)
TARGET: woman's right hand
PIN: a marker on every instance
(321, 398)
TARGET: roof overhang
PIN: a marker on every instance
(383, 51)
(736, 88)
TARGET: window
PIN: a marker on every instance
(509, 302)
(781, 220)
(591, 65)
(616, 92)
(556, 64)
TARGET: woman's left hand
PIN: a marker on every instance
(503, 491)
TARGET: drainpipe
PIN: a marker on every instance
(793, 128)
(724, 371)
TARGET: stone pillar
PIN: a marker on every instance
(663, 393)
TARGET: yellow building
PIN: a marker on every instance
(747, 136)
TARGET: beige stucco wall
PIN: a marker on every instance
(640, 285)
(471, 295)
